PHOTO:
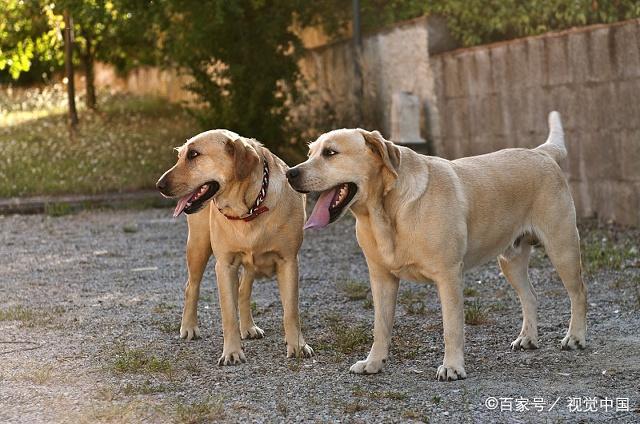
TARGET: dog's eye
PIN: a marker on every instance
(329, 152)
(191, 154)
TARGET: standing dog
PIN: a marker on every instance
(241, 209)
(425, 218)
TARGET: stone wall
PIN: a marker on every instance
(151, 81)
(394, 59)
(499, 95)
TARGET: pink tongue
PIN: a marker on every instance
(320, 216)
(182, 203)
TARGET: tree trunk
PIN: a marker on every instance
(68, 64)
(88, 62)
(357, 60)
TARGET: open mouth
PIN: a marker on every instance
(194, 201)
(331, 204)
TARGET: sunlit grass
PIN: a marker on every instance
(124, 146)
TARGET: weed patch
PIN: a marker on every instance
(475, 313)
(200, 412)
(138, 361)
(413, 303)
(347, 338)
(354, 290)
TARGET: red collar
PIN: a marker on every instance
(257, 207)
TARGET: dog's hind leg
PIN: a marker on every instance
(562, 244)
(248, 328)
(515, 265)
(198, 254)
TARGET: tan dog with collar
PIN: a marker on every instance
(240, 209)
(425, 218)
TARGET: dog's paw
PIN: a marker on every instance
(232, 358)
(254, 332)
(304, 351)
(524, 343)
(368, 366)
(571, 342)
(450, 373)
(189, 332)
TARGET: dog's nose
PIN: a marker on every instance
(293, 173)
(161, 184)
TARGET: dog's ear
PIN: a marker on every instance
(245, 158)
(388, 152)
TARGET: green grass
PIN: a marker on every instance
(385, 394)
(475, 313)
(169, 327)
(470, 292)
(162, 307)
(40, 376)
(138, 361)
(126, 145)
(30, 317)
(200, 412)
(57, 209)
(17, 313)
(353, 407)
(145, 388)
(412, 302)
(130, 228)
(347, 338)
(600, 251)
(354, 290)
(411, 414)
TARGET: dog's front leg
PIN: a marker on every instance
(248, 328)
(452, 300)
(227, 277)
(198, 253)
(287, 272)
(384, 289)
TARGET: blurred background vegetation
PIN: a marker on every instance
(474, 22)
(242, 59)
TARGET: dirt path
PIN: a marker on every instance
(90, 307)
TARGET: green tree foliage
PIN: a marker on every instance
(111, 31)
(242, 56)
(29, 38)
(475, 22)
(105, 31)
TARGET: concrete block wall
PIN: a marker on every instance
(497, 96)
(394, 59)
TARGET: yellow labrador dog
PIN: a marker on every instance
(425, 218)
(240, 208)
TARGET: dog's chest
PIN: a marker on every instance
(410, 273)
(263, 264)
(401, 264)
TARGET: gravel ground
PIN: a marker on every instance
(90, 307)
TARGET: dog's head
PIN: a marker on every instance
(207, 165)
(347, 166)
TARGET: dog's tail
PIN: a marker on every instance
(554, 146)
